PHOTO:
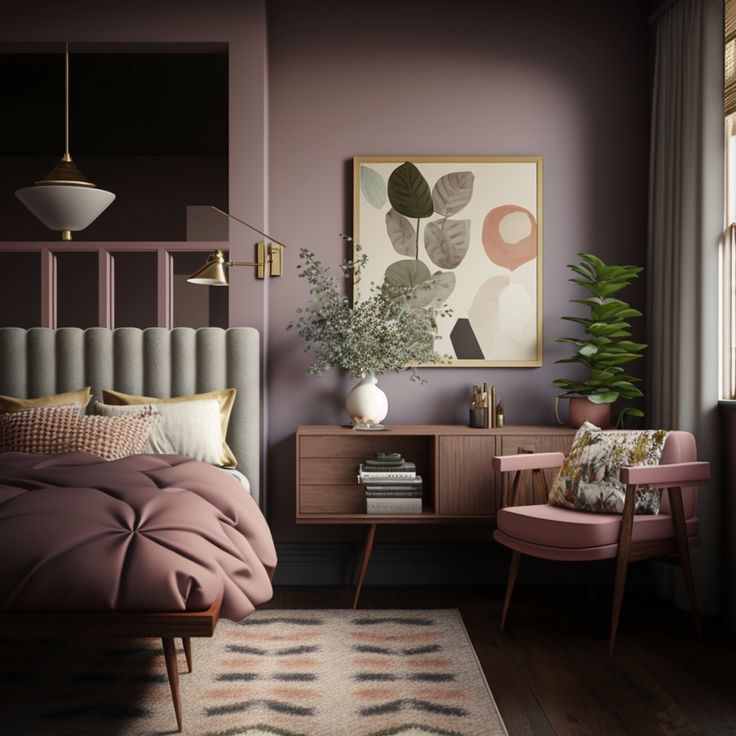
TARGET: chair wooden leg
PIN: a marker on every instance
(683, 550)
(513, 569)
(370, 535)
(622, 563)
(513, 492)
(173, 672)
(187, 642)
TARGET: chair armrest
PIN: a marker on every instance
(666, 476)
(528, 461)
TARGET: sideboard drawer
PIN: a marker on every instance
(332, 499)
(323, 472)
(363, 446)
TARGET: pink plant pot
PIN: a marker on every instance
(583, 410)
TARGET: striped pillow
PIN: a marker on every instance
(53, 430)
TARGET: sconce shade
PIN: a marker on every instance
(65, 206)
(213, 271)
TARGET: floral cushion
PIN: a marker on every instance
(52, 430)
(589, 477)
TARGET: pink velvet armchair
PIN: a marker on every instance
(554, 533)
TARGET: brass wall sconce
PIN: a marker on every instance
(269, 259)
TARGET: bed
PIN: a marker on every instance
(154, 362)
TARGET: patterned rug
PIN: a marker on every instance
(278, 673)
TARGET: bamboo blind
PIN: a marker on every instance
(730, 57)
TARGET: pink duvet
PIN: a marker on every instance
(145, 533)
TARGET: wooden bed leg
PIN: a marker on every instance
(173, 672)
(187, 642)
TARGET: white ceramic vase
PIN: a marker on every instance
(366, 403)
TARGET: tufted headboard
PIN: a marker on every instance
(155, 362)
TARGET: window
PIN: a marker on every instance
(728, 242)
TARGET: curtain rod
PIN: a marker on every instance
(661, 10)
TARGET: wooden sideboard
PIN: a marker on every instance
(454, 461)
(460, 484)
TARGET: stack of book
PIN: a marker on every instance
(392, 485)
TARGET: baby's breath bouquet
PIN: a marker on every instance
(387, 331)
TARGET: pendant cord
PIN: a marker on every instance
(67, 157)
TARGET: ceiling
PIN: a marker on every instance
(121, 104)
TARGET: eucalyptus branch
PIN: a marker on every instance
(382, 332)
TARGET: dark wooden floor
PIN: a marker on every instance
(550, 671)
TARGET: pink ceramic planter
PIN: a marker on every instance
(583, 410)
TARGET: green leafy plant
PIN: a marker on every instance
(392, 329)
(606, 346)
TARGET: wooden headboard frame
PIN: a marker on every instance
(154, 362)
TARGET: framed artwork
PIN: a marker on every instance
(470, 229)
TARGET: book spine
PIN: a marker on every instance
(385, 468)
(394, 494)
(387, 475)
(394, 506)
(393, 486)
(388, 466)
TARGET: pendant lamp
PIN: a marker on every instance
(65, 199)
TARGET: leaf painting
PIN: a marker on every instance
(407, 273)
(452, 192)
(401, 232)
(409, 192)
(447, 242)
(373, 187)
(435, 290)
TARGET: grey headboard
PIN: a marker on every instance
(155, 362)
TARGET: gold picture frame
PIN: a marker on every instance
(472, 228)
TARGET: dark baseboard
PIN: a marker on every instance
(302, 563)
(728, 582)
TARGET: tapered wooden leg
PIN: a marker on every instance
(622, 563)
(513, 569)
(173, 672)
(187, 642)
(370, 535)
(514, 490)
(683, 549)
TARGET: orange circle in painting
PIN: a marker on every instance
(510, 236)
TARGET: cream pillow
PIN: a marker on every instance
(79, 398)
(191, 428)
(225, 399)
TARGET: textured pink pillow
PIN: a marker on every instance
(52, 430)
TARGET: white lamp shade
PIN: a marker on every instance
(65, 206)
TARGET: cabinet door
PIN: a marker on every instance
(466, 477)
(512, 444)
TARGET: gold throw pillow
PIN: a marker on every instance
(79, 398)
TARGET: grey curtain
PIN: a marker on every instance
(685, 224)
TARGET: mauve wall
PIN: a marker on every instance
(565, 80)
